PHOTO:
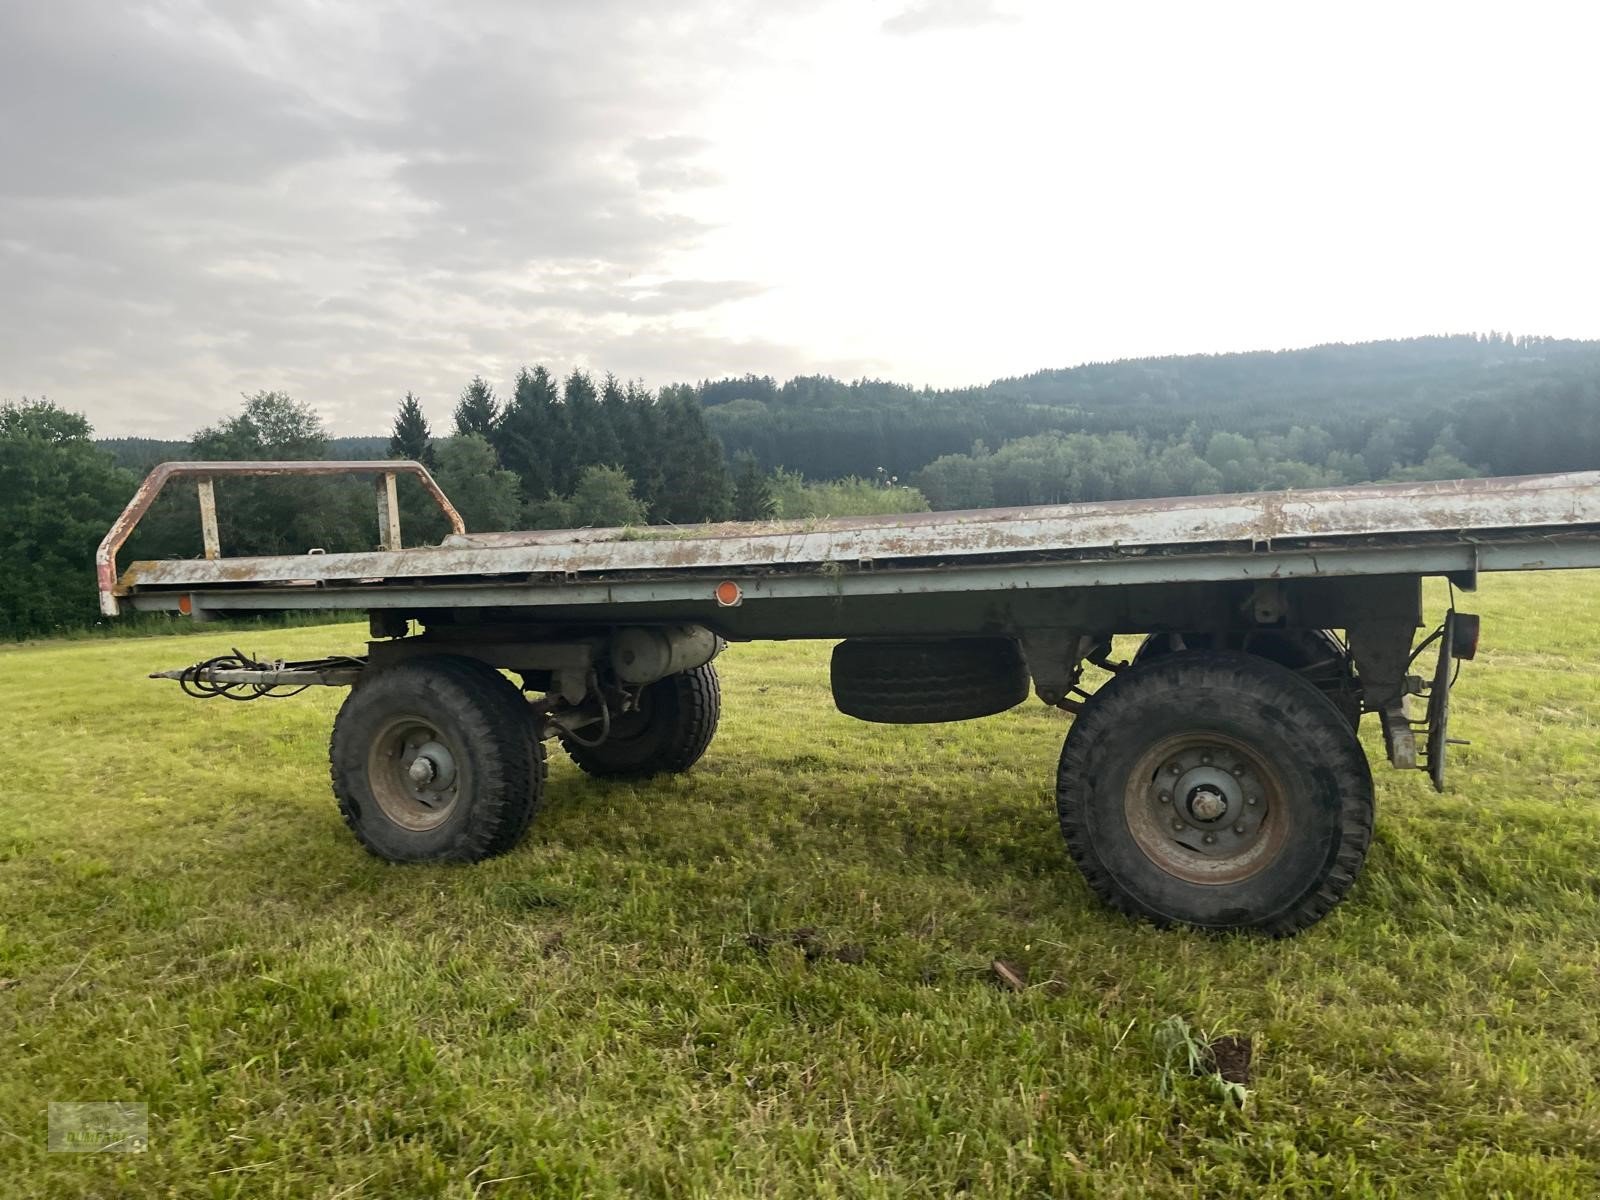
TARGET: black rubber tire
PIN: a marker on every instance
(924, 682)
(675, 725)
(1327, 801)
(485, 715)
(1292, 648)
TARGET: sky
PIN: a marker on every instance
(350, 199)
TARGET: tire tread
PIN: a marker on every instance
(923, 683)
(492, 712)
(1301, 703)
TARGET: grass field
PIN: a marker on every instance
(185, 922)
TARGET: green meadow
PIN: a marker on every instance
(772, 976)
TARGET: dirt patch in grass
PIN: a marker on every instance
(1230, 1058)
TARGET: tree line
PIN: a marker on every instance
(575, 452)
(1056, 468)
(566, 447)
(1513, 405)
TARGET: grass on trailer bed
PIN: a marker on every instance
(772, 976)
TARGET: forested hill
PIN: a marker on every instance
(1489, 392)
(1501, 405)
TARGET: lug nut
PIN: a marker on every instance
(1175, 769)
(1252, 800)
(1239, 828)
(1205, 758)
(1210, 838)
(1166, 797)
(1178, 825)
(1238, 771)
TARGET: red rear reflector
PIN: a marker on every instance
(728, 593)
(185, 604)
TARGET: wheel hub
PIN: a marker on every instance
(429, 765)
(1203, 813)
(413, 774)
(1209, 794)
(1205, 804)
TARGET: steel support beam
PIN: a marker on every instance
(208, 517)
(388, 513)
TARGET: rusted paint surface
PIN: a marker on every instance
(209, 537)
(106, 557)
(1359, 509)
(1460, 512)
(388, 512)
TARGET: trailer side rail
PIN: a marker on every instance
(203, 473)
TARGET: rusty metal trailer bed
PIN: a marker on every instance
(1215, 780)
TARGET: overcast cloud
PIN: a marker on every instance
(349, 200)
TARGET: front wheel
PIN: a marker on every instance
(666, 732)
(1218, 790)
(431, 761)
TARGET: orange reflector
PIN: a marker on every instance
(185, 605)
(728, 593)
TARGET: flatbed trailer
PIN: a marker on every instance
(1215, 780)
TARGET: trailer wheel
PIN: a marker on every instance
(1218, 790)
(1315, 654)
(431, 761)
(668, 732)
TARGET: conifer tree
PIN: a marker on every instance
(532, 437)
(694, 485)
(752, 494)
(478, 411)
(640, 432)
(594, 441)
(410, 436)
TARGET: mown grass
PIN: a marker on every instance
(185, 922)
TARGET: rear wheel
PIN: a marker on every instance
(666, 732)
(431, 761)
(1218, 790)
(1316, 655)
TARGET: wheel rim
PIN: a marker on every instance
(415, 771)
(1206, 808)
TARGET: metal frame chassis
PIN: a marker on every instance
(693, 594)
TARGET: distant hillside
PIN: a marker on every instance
(140, 454)
(1499, 405)
(824, 428)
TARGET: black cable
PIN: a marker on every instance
(1424, 644)
(193, 681)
